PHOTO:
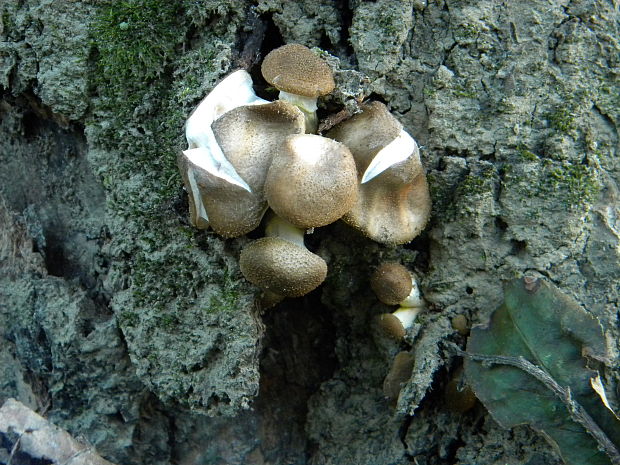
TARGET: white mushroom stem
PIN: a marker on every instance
(401, 148)
(235, 90)
(279, 227)
(414, 299)
(307, 105)
(407, 315)
(411, 306)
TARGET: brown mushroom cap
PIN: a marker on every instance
(312, 181)
(391, 283)
(395, 206)
(281, 267)
(248, 136)
(458, 396)
(367, 132)
(294, 68)
(391, 326)
(460, 323)
(400, 372)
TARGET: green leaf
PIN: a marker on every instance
(562, 343)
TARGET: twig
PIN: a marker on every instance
(575, 410)
(14, 449)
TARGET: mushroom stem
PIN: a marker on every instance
(414, 299)
(407, 315)
(279, 227)
(307, 105)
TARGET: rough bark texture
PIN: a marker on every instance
(138, 333)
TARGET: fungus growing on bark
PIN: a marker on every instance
(248, 136)
(458, 396)
(312, 181)
(280, 263)
(393, 204)
(390, 282)
(399, 373)
(300, 76)
(203, 149)
(460, 324)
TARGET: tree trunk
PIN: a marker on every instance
(128, 327)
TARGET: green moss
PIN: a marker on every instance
(525, 154)
(464, 91)
(134, 42)
(129, 318)
(176, 277)
(477, 183)
(578, 183)
(135, 38)
(168, 321)
(227, 299)
(389, 22)
(429, 91)
(562, 120)
(467, 31)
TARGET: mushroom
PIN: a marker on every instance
(460, 324)
(393, 204)
(399, 374)
(248, 136)
(391, 283)
(280, 263)
(395, 285)
(458, 396)
(300, 76)
(396, 324)
(312, 181)
(203, 150)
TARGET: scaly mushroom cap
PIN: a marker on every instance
(281, 267)
(312, 181)
(295, 69)
(391, 326)
(394, 206)
(248, 136)
(391, 283)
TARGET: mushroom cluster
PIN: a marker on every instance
(247, 155)
(394, 284)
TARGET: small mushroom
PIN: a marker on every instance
(391, 326)
(460, 324)
(395, 285)
(458, 396)
(396, 324)
(300, 76)
(391, 283)
(312, 181)
(280, 264)
(399, 374)
(248, 136)
(393, 204)
(281, 267)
